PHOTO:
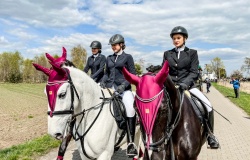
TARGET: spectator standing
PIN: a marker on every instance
(236, 85)
(208, 85)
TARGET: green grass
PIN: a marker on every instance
(30, 149)
(32, 89)
(243, 102)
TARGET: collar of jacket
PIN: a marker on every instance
(97, 55)
(185, 49)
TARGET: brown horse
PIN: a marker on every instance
(170, 127)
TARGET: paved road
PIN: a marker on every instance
(234, 138)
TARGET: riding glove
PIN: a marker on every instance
(121, 88)
(183, 86)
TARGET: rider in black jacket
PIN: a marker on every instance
(183, 70)
(96, 62)
(113, 78)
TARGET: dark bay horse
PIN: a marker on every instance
(170, 127)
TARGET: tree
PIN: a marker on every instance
(217, 65)
(39, 76)
(27, 70)
(237, 74)
(223, 73)
(141, 63)
(138, 69)
(246, 66)
(208, 68)
(10, 67)
(79, 56)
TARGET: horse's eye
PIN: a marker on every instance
(62, 95)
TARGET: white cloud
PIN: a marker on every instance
(3, 40)
(46, 13)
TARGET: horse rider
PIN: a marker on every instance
(183, 70)
(113, 78)
(96, 62)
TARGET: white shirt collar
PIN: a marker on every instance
(96, 55)
(119, 53)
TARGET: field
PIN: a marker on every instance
(23, 110)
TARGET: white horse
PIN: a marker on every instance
(71, 92)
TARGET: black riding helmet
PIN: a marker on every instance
(96, 44)
(117, 38)
(179, 30)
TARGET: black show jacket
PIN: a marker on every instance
(184, 69)
(113, 73)
(97, 67)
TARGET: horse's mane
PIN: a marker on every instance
(69, 63)
(169, 84)
(155, 69)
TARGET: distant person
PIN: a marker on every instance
(199, 79)
(208, 85)
(236, 85)
(96, 62)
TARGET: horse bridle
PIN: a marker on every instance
(72, 90)
(169, 128)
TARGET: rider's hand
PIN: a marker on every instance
(183, 86)
(121, 88)
(103, 84)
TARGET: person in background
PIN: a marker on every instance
(236, 85)
(183, 71)
(208, 85)
(113, 78)
(96, 62)
(199, 79)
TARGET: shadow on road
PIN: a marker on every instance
(230, 96)
(247, 117)
(119, 155)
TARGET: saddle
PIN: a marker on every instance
(198, 107)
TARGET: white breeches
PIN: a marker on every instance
(202, 97)
(128, 100)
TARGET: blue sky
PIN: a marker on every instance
(217, 28)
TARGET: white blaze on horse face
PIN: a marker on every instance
(57, 123)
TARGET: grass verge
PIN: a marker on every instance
(30, 149)
(243, 102)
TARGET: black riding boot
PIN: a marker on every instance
(212, 141)
(131, 148)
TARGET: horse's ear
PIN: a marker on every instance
(49, 57)
(130, 77)
(161, 76)
(41, 68)
(57, 68)
(64, 54)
